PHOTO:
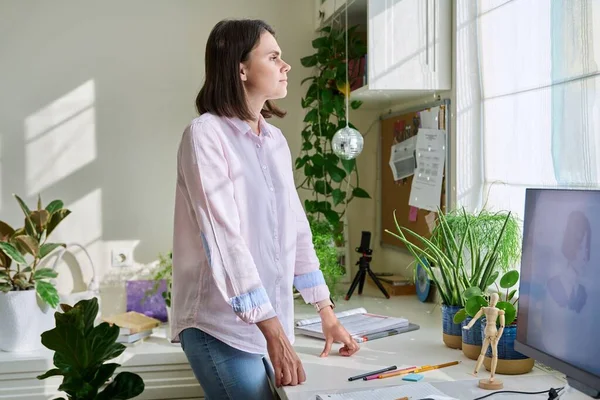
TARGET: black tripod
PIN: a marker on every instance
(364, 268)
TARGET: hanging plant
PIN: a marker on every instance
(333, 182)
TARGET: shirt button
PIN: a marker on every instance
(264, 167)
(258, 146)
(275, 236)
(271, 188)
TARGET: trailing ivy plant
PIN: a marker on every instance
(323, 239)
(334, 182)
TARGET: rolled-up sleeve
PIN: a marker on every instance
(308, 278)
(204, 168)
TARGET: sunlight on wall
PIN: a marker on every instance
(60, 138)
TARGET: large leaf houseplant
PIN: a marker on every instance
(23, 278)
(333, 182)
(81, 351)
(455, 262)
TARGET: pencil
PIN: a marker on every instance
(416, 371)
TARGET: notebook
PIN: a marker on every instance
(414, 391)
(359, 323)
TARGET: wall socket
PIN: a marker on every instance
(122, 257)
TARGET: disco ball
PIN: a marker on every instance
(347, 143)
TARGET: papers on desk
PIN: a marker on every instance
(413, 391)
(360, 324)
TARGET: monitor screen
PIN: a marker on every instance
(559, 293)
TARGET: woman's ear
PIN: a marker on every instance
(243, 74)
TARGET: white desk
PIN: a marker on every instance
(421, 347)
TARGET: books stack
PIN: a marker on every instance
(134, 327)
(363, 326)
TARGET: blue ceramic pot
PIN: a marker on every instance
(452, 333)
(471, 339)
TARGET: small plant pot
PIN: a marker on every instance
(510, 362)
(471, 339)
(452, 334)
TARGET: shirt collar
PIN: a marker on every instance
(244, 127)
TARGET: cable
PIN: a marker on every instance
(552, 393)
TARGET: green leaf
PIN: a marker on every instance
(337, 174)
(12, 252)
(474, 304)
(311, 116)
(54, 206)
(48, 293)
(28, 243)
(512, 294)
(300, 161)
(103, 374)
(45, 273)
(332, 216)
(338, 196)
(492, 278)
(307, 146)
(349, 165)
(460, 316)
(125, 386)
(509, 311)
(56, 219)
(47, 248)
(40, 219)
(310, 78)
(509, 279)
(354, 104)
(309, 61)
(24, 207)
(358, 192)
(318, 160)
(5, 287)
(472, 291)
(319, 42)
(49, 373)
(6, 231)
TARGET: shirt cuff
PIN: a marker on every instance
(311, 286)
(253, 307)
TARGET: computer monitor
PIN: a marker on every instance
(559, 294)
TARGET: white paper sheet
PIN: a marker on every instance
(427, 183)
(402, 158)
(429, 118)
(414, 391)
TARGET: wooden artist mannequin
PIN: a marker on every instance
(492, 336)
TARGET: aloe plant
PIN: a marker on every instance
(455, 261)
(22, 250)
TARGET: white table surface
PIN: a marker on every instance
(421, 347)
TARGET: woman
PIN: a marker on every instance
(241, 237)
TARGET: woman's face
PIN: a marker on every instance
(264, 73)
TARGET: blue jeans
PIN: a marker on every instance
(226, 373)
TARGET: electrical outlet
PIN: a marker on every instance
(122, 257)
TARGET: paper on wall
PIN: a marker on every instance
(402, 158)
(426, 186)
(429, 118)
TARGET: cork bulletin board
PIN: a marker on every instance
(395, 194)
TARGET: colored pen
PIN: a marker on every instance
(421, 369)
(375, 376)
(353, 378)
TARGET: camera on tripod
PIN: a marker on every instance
(365, 267)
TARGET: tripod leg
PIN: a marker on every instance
(357, 278)
(361, 284)
(379, 285)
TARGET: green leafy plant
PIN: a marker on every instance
(31, 242)
(454, 261)
(475, 299)
(486, 227)
(163, 272)
(81, 350)
(326, 175)
(323, 241)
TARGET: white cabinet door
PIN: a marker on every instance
(409, 44)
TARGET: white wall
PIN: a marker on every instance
(93, 99)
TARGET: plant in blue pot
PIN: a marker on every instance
(455, 261)
(510, 362)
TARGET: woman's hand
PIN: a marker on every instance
(335, 332)
(286, 363)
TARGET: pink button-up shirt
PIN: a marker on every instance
(241, 237)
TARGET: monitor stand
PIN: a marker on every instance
(583, 388)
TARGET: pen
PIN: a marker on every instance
(353, 378)
(375, 376)
(421, 369)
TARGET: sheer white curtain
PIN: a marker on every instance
(528, 109)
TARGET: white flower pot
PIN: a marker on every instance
(24, 318)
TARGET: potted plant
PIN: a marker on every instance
(510, 362)
(454, 262)
(81, 352)
(334, 182)
(163, 273)
(23, 281)
(323, 235)
(486, 227)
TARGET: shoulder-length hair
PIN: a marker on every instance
(229, 44)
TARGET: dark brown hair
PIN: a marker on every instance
(229, 44)
(578, 227)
